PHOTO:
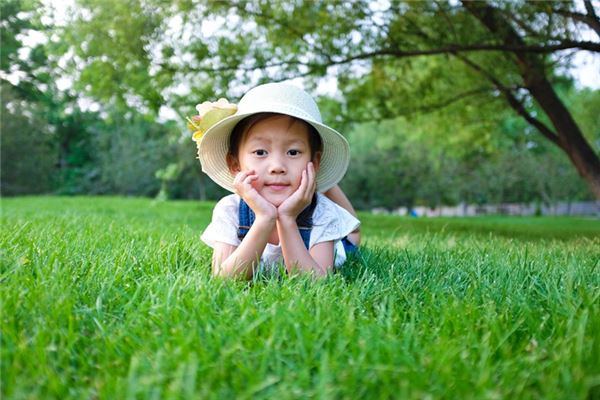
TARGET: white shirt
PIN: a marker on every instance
(330, 223)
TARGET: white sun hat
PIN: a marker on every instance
(278, 98)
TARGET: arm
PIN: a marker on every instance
(232, 261)
(295, 255)
(241, 261)
(336, 195)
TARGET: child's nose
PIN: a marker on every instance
(277, 166)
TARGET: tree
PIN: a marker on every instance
(509, 54)
(27, 149)
(27, 153)
(513, 48)
(566, 134)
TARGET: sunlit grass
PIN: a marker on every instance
(112, 298)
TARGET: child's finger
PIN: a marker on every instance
(238, 177)
(304, 184)
(309, 181)
(241, 176)
(311, 178)
(250, 178)
(304, 181)
(238, 181)
(307, 188)
(247, 173)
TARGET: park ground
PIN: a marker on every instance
(112, 298)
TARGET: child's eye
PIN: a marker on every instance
(294, 152)
(260, 152)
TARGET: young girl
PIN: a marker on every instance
(274, 153)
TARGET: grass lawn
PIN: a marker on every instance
(112, 298)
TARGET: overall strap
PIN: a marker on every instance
(304, 220)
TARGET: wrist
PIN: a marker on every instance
(286, 220)
(264, 219)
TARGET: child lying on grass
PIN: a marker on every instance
(283, 164)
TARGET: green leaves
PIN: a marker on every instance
(432, 63)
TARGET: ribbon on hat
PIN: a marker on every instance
(209, 113)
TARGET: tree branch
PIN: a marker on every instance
(513, 101)
(590, 8)
(519, 48)
(424, 109)
(447, 102)
(589, 19)
(269, 19)
(593, 19)
(396, 53)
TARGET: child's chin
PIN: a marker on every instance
(277, 200)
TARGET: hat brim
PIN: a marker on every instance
(214, 145)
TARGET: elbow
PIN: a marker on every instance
(317, 271)
(354, 237)
(223, 271)
(219, 273)
(226, 275)
(322, 272)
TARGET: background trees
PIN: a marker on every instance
(506, 53)
(443, 102)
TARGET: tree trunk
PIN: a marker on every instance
(569, 136)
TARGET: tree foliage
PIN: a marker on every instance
(507, 54)
(435, 99)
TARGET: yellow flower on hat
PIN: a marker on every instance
(209, 113)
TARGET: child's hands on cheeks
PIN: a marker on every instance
(301, 198)
(290, 208)
(243, 187)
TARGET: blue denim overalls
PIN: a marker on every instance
(304, 221)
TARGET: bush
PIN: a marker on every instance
(28, 153)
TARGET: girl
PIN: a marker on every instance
(278, 158)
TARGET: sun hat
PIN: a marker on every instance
(278, 98)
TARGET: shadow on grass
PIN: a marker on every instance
(372, 262)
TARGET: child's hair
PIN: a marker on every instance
(314, 139)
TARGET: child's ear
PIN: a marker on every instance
(316, 160)
(233, 164)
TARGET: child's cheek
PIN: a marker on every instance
(257, 184)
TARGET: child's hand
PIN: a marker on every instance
(302, 197)
(243, 187)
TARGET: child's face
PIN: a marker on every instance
(278, 150)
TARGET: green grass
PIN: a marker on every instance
(112, 298)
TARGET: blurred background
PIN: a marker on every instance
(444, 103)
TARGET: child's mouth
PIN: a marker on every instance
(277, 187)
